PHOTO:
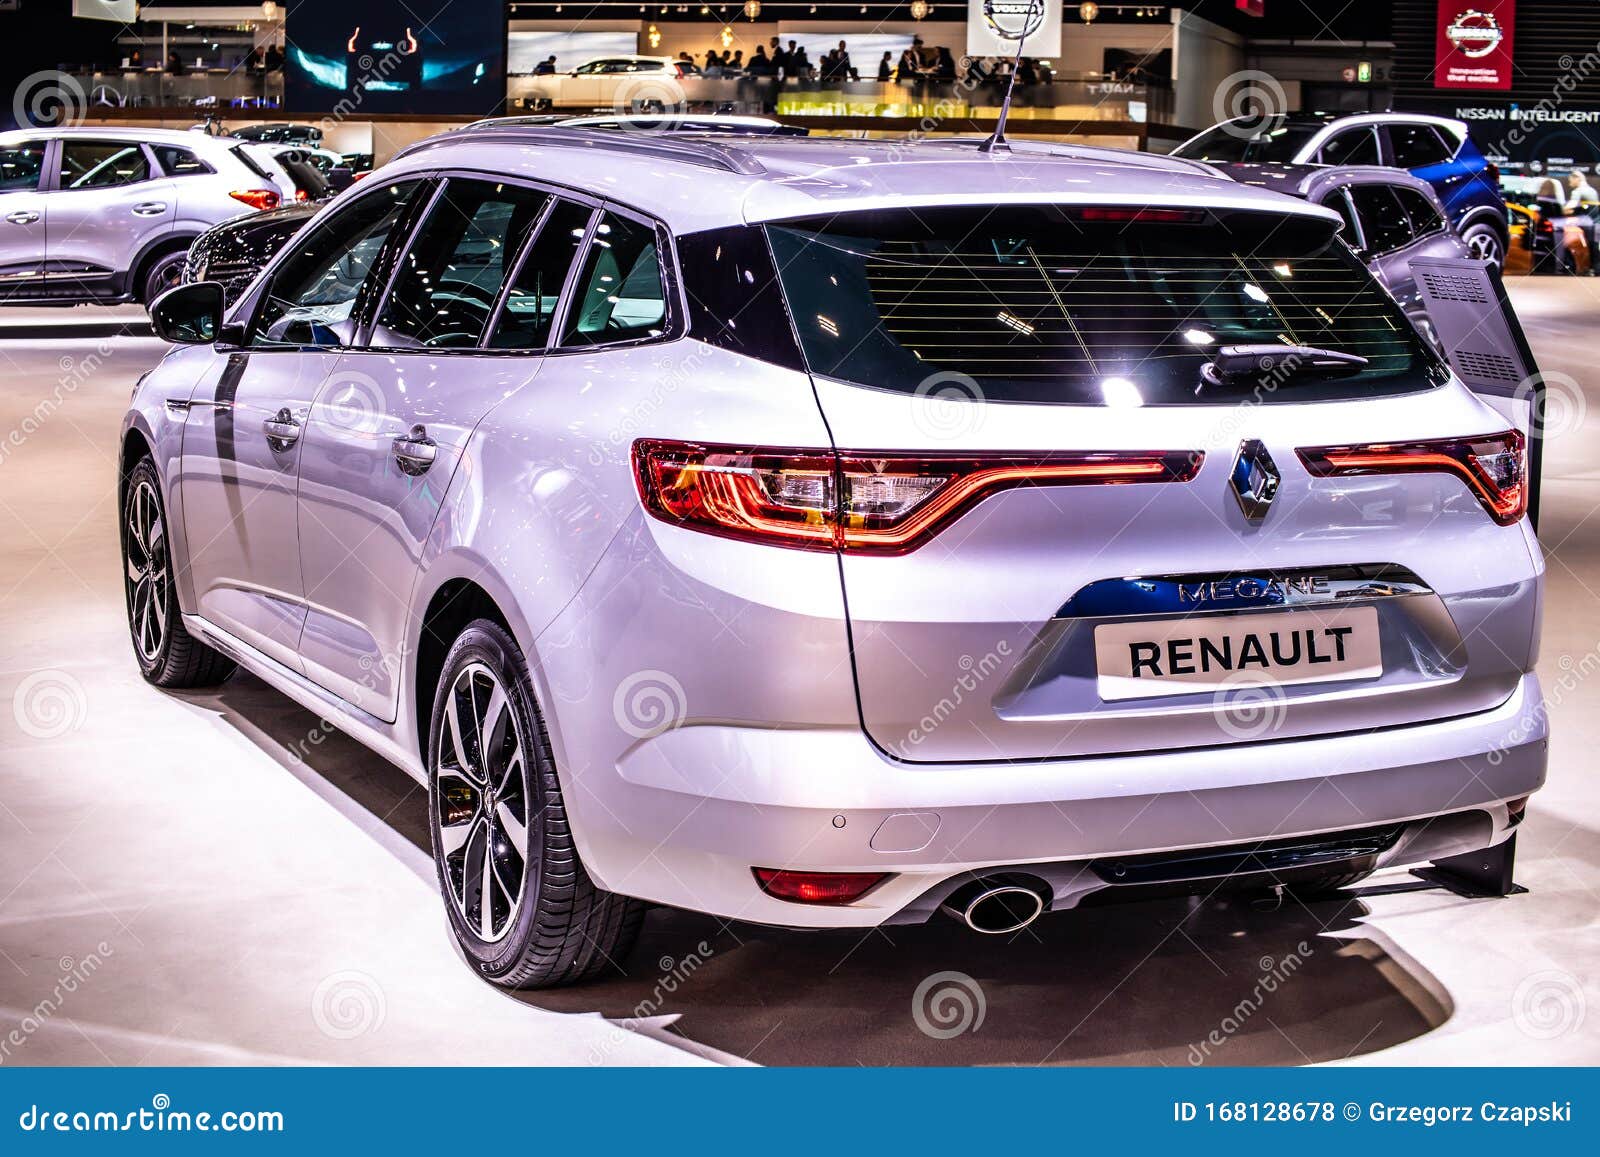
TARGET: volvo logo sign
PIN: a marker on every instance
(1255, 479)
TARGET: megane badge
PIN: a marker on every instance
(1255, 479)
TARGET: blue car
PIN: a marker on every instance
(1437, 149)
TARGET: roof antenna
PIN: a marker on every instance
(1010, 20)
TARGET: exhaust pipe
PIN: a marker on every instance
(995, 908)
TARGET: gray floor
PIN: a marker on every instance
(194, 879)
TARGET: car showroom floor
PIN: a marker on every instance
(204, 878)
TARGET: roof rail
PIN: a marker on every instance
(1080, 152)
(707, 154)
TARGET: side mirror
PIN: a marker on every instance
(189, 314)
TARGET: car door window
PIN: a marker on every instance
(619, 296)
(313, 293)
(1424, 217)
(1351, 147)
(530, 305)
(102, 164)
(1417, 145)
(450, 277)
(179, 162)
(1384, 223)
(20, 165)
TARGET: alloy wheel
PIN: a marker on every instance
(483, 813)
(148, 576)
(1484, 246)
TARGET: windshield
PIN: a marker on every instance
(1270, 140)
(1038, 304)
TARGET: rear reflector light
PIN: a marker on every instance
(1141, 213)
(1495, 467)
(817, 887)
(257, 198)
(861, 503)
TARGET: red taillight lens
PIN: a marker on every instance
(817, 887)
(257, 198)
(1143, 214)
(301, 195)
(1494, 467)
(861, 503)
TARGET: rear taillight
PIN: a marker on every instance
(257, 198)
(1143, 214)
(301, 195)
(1495, 467)
(817, 887)
(861, 503)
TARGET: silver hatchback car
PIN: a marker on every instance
(824, 533)
(107, 214)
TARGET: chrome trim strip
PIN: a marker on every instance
(1165, 596)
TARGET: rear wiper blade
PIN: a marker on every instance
(1234, 365)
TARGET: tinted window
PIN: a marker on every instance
(178, 162)
(1273, 140)
(1417, 145)
(1424, 217)
(1383, 221)
(314, 291)
(20, 165)
(1351, 147)
(530, 306)
(618, 296)
(1032, 305)
(450, 277)
(735, 302)
(102, 164)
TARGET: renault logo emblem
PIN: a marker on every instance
(1255, 479)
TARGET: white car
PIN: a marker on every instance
(107, 214)
(827, 533)
(640, 83)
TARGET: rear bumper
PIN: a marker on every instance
(684, 816)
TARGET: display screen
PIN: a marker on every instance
(359, 57)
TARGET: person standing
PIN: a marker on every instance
(885, 68)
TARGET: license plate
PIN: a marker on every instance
(1207, 653)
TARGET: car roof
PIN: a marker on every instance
(1321, 120)
(696, 181)
(1310, 180)
(113, 132)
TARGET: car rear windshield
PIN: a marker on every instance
(1271, 140)
(1045, 304)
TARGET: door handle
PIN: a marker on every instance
(150, 209)
(22, 217)
(415, 452)
(282, 430)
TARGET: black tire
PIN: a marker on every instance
(168, 655)
(161, 273)
(561, 928)
(1485, 242)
